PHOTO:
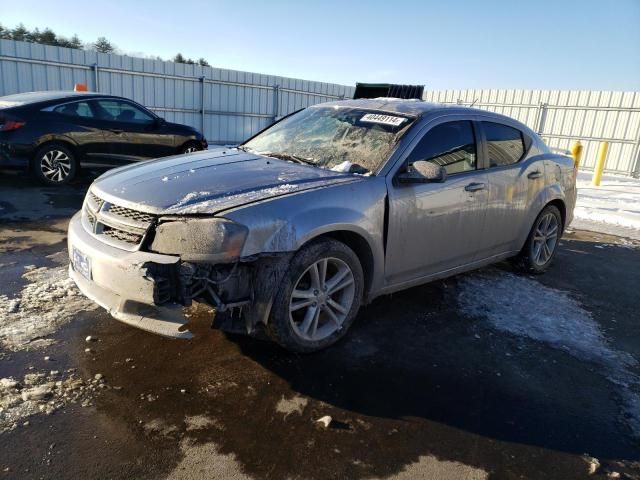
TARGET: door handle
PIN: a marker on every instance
(474, 187)
(534, 175)
(116, 130)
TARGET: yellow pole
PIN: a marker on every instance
(576, 153)
(602, 158)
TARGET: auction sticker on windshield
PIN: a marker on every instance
(383, 119)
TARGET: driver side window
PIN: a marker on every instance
(451, 145)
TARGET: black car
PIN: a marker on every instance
(52, 133)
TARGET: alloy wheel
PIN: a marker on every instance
(322, 299)
(55, 165)
(545, 238)
(190, 149)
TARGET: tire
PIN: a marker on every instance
(190, 147)
(534, 257)
(54, 164)
(289, 321)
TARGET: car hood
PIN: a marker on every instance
(208, 182)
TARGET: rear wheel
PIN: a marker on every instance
(542, 242)
(190, 147)
(319, 297)
(54, 164)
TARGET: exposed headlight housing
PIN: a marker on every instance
(214, 240)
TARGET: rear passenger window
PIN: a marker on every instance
(451, 145)
(505, 144)
(75, 109)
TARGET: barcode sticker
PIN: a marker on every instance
(383, 119)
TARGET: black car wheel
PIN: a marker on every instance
(319, 297)
(190, 148)
(54, 164)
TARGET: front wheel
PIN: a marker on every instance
(542, 242)
(319, 297)
(54, 164)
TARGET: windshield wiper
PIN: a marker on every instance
(289, 156)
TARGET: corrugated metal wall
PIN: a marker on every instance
(562, 117)
(236, 104)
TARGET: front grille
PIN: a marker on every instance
(91, 217)
(130, 214)
(95, 202)
(116, 225)
(121, 235)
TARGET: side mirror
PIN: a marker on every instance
(423, 172)
(158, 122)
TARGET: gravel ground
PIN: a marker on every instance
(485, 375)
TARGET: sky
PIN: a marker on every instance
(446, 44)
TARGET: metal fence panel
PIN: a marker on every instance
(563, 116)
(226, 105)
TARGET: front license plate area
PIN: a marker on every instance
(81, 263)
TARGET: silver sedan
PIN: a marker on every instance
(294, 230)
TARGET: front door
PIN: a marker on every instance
(131, 132)
(434, 227)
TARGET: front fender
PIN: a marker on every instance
(285, 224)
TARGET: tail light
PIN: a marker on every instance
(9, 125)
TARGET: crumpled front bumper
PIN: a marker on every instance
(122, 283)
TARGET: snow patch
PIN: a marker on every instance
(524, 307)
(252, 196)
(615, 203)
(343, 167)
(41, 393)
(49, 301)
(188, 198)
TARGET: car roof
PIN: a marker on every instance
(20, 99)
(412, 107)
(421, 109)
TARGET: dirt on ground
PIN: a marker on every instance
(490, 374)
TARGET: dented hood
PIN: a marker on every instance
(209, 182)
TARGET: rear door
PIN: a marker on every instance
(131, 131)
(434, 227)
(77, 121)
(514, 183)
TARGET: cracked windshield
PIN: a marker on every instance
(346, 140)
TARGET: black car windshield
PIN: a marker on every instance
(338, 138)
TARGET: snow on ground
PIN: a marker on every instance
(43, 393)
(47, 302)
(524, 307)
(613, 207)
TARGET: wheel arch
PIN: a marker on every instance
(65, 142)
(560, 205)
(360, 247)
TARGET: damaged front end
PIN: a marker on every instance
(240, 292)
(212, 272)
(157, 267)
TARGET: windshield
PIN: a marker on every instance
(343, 139)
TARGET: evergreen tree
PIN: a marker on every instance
(103, 45)
(19, 33)
(47, 37)
(202, 62)
(75, 42)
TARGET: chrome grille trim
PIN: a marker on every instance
(129, 213)
(118, 226)
(94, 202)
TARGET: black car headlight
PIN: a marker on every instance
(194, 239)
